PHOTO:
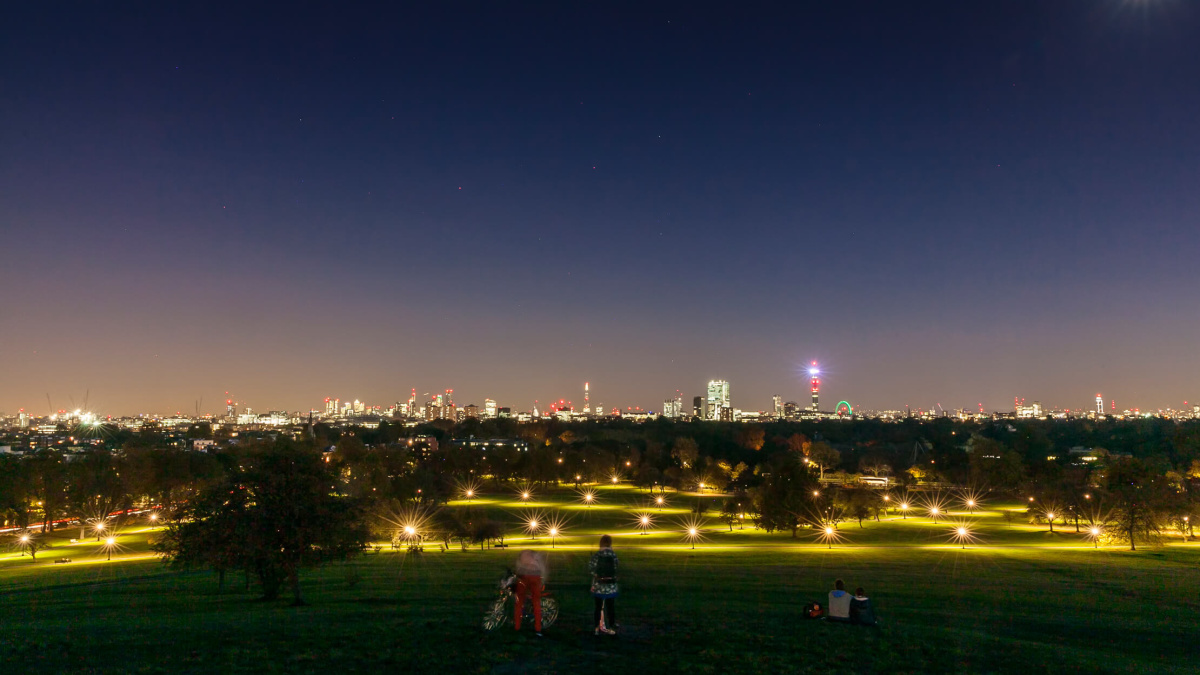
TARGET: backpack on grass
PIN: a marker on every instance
(813, 610)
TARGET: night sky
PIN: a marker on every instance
(942, 202)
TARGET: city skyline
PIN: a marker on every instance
(954, 205)
(714, 390)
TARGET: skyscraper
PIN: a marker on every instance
(671, 408)
(489, 409)
(718, 399)
(698, 407)
(816, 386)
(1099, 405)
(778, 401)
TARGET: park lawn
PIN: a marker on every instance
(1016, 600)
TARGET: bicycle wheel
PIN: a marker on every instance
(549, 611)
(496, 616)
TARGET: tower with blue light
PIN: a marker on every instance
(816, 385)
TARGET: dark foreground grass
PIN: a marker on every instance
(730, 606)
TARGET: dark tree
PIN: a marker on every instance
(786, 494)
(1138, 498)
(280, 513)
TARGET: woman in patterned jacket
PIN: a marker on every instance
(603, 566)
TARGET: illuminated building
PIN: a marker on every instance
(777, 400)
(489, 409)
(717, 400)
(816, 386)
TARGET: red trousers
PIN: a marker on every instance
(532, 586)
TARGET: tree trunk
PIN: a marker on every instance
(294, 580)
(1132, 545)
(269, 579)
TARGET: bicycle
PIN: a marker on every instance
(500, 615)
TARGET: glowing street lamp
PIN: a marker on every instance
(816, 493)
(588, 498)
(659, 501)
(1050, 518)
(470, 495)
(962, 534)
(1094, 533)
(99, 529)
(109, 544)
(525, 496)
(904, 510)
(644, 523)
(532, 526)
(615, 480)
(933, 511)
(693, 533)
(971, 506)
(829, 536)
(553, 534)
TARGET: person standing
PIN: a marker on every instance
(531, 574)
(603, 567)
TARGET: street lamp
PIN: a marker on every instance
(904, 510)
(553, 534)
(933, 511)
(692, 534)
(109, 543)
(644, 522)
(532, 527)
(1050, 517)
(829, 536)
(659, 501)
(962, 536)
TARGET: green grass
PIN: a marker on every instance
(1017, 600)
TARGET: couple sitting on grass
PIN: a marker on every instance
(850, 608)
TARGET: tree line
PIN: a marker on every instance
(323, 492)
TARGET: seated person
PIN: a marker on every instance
(839, 602)
(861, 611)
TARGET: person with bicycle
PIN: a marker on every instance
(603, 567)
(531, 574)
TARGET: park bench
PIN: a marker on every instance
(62, 560)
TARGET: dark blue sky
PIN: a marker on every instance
(943, 202)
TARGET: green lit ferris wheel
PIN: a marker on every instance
(843, 409)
